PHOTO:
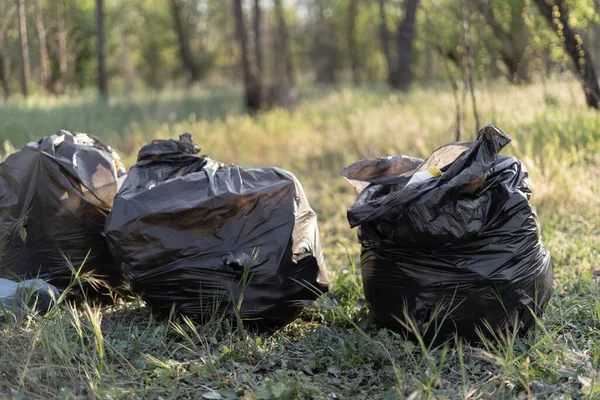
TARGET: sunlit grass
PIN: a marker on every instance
(124, 351)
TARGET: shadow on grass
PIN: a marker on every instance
(21, 123)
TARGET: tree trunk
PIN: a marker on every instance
(251, 83)
(352, 45)
(385, 42)
(102, 82)
(3, 77)
(597, 42)
(126, 64)
(190, 70)
(151, 55)
(61, 37)
(428, 68)
(469, 61)
(257, 39)
(283, 52)
(404, 44)
(281, 93)
(45, 76)
(3, 59)
(325, 48)
(574, 46)
(520, 37)
(26, 70)
(513, 43)
(75, 45)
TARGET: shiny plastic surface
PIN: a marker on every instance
(19, 297)
(54, 198)
(206, 238)
(453, 251)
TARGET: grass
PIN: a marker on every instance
(333, 350)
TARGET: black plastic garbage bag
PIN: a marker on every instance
(55, 195)
(204, 237)
(18, 297)
(454, 251)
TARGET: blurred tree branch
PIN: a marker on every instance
(557, 16)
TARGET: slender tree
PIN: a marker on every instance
(45, 76)
(399, 67)
(251, 83)
(126, 64)
(283, 53)
(190, 69)
(469, 60)
(61, 38)
(102, 81)
(3, 77)
(258, 39)
(3, 59)
(281, 93)
(352, 45)
(513, 41)
(385, 42)
(557, 15)
(404, 43)
(325, 49)
(25, 68)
